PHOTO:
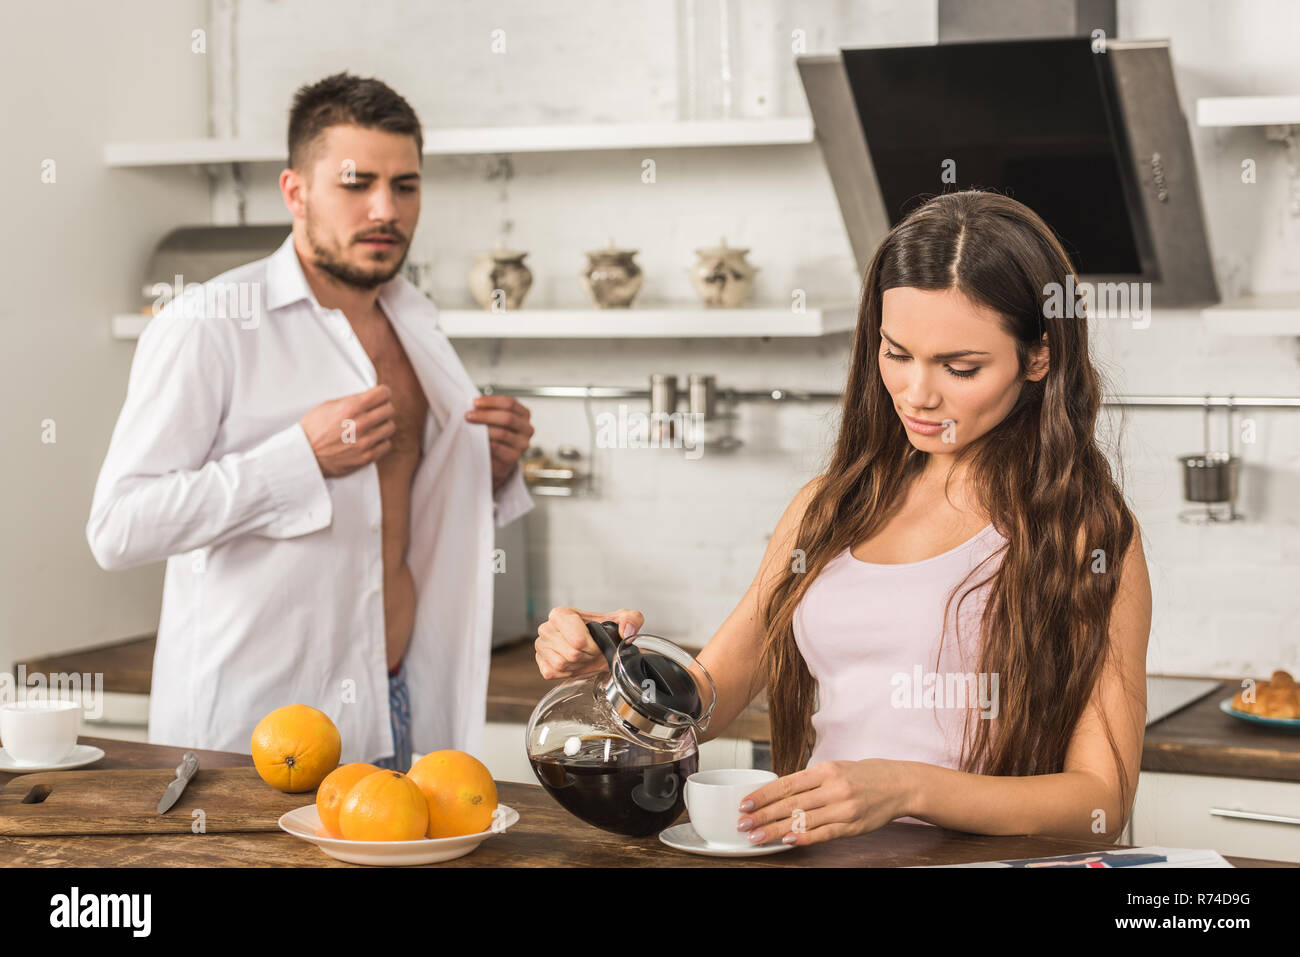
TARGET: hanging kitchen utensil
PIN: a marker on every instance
(1210, 479)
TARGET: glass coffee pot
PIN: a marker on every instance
(615, 748)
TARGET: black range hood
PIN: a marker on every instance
(1095, 142)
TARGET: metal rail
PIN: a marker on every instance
(802, 395)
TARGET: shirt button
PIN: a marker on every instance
(374, 526)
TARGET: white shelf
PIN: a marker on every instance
(644, 323)
(1270, 314)
(1248, 111)
(789, 130)
(129, 325)
(693, 323)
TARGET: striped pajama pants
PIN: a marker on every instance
(399, 716)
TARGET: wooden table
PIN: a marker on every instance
(546, 836)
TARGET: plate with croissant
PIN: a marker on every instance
(1276, 704)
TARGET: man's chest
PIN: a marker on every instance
(285, 368)
(393, 368)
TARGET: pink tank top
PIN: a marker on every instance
(870, 633)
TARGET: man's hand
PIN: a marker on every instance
(509, 432)
(351, 431)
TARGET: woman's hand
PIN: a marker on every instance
(827, 800)
(564, 646)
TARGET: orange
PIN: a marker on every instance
(332, 791)
(459, 788)
(385, 806)
(294, 747)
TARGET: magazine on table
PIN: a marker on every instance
(1130, 857)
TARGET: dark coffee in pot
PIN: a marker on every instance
(608, 786)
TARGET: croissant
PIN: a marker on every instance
(1280, 703)
(1279, 697)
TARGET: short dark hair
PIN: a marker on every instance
(346, 99)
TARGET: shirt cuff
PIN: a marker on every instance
(289, 468)
(512, 500)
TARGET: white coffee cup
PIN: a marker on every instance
(713, 801)
(39, 731)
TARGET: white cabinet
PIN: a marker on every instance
(505, 753)
(1238, 817)
(118, 715)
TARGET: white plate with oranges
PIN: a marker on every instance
(442, 808)
(305, 823)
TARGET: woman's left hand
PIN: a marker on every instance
(827, 800)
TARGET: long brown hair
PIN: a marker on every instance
(1039, 475)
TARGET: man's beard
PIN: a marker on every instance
(327, 261)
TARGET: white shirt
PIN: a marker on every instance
(273, 591)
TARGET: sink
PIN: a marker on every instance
(1167, 695)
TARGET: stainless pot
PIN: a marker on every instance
(1210, 477)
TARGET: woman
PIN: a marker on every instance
(855, 592)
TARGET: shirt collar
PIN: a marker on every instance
(286, 284)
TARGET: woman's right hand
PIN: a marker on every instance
(566, 649)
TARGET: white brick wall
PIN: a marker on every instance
(681, 539)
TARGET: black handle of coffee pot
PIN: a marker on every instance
(606, 636)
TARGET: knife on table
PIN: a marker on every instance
(189, 764)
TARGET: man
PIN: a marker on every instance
(317, 474)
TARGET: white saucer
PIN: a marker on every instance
(683, 838)
(82, 754)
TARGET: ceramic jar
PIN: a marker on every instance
(501, 269)
(722, 276)
(612, 278)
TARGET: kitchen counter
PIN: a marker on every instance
(546, 836)
(514, 683)
(1199, 739)
(127, 665)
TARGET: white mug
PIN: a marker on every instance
(713, 801)
(39, 731)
